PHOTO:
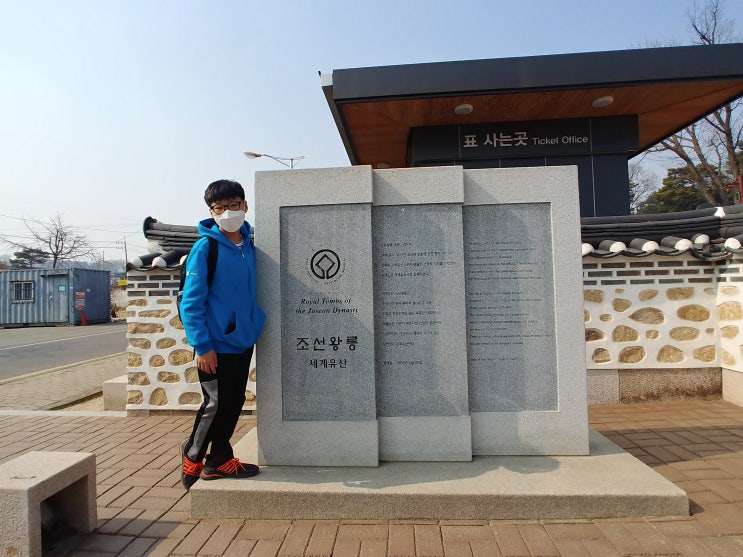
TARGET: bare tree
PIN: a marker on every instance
(708, 147)
(56, 239)
(708, 23)
(642, 183)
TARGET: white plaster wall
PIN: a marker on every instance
(660, 316)
(162, 373)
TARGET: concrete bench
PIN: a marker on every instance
(62, 483)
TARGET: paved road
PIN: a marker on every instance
(33, 349)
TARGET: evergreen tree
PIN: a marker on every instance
(679, 193)
(28, 258)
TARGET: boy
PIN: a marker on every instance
(222, 323)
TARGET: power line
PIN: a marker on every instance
(17, 236)
(125, 232)
(25, 220)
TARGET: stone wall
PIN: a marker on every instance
(666, 326)
(655, 328)
(161, 370)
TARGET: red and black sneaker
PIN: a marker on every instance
(233, 468)
(191, 470)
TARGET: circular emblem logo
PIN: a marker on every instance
(325, 264)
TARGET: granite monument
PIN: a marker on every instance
(426, 314)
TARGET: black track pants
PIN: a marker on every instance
(216, 420)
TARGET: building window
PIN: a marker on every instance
(23, 291)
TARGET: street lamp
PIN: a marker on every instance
(282, 160)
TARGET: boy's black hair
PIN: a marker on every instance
(222, 190)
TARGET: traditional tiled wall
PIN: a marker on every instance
(664, 313)
(161, 370)
(646, 319)
(670, 312)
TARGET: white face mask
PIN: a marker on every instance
(231, 221)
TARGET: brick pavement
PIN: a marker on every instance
(142, 510)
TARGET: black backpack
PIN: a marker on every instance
(211, 266)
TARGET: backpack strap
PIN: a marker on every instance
(211, 260)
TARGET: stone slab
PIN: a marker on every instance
(511, 308)
(64, 481)
(114, 393)
(287, 436)
(421, 351)
(732, 386)
(526, 345)
(608, 483)
(419, 311)
(425, 438)
(327, 332)
(404, 186)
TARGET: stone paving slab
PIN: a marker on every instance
(608, 483)
(142, 510)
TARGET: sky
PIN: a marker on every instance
(113, 111)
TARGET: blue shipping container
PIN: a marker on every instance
(54, 297)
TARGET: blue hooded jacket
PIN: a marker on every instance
(224, 317)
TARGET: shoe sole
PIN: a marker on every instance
(209, 477)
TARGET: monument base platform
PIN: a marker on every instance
(608, 483)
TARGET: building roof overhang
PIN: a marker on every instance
(666, 88)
